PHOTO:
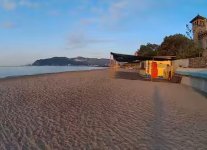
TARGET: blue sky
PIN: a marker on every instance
(34, 29)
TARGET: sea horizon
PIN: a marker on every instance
(18, 71)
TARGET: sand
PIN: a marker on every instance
(92, 110)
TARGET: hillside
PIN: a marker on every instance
(77, 61)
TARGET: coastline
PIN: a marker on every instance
(47, 74)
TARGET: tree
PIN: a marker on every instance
(147, 50)
(179, 45)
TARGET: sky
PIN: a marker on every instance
(38, 29)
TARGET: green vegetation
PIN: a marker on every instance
(148, 50)
(174, 45)
(77, 61)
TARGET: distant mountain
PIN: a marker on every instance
(77, 61)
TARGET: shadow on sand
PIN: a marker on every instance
(158, 141)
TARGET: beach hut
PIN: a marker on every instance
(150, 66)
(158, 69)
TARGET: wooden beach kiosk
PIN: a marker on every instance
(158, 68)
(150, 66)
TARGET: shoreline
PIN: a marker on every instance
(10, 78)
(47, 74)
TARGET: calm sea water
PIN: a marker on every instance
(34, 70)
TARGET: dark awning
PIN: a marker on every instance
(133, 58)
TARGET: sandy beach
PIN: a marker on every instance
(96, 110)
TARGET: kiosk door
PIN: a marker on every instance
(154, 70)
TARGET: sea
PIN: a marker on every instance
(36, 70)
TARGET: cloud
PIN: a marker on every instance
(8, 25)
(54, 13)
(28, 4)
(116, 10)
(8, 4)
(88, 21)
(80, 39)
(13, 4)
(121, 9)
(112, 14)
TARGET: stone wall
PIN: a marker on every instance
(184, 63)
(205, 53)
(198, 62)
(197, 83)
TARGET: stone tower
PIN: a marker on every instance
(199, 28)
